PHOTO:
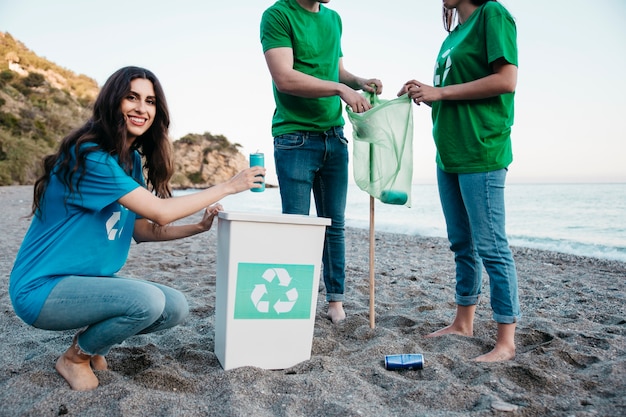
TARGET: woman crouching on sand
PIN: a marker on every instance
(90, 201)
(472, 110)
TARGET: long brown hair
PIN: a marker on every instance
(450, 15)
(106, 130)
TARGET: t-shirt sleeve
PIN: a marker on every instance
(501, 34)
(104, 182)
(275, 30)
(138, 175)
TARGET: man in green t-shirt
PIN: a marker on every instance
(301, 41)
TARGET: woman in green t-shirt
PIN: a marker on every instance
(472, 110)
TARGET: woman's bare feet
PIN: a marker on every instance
(75, 367)
(496, 355)
(463, 323)
(452, 329)
(335, 312)
(99, 363)
(505, 345)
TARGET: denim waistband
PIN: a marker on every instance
(336, 131)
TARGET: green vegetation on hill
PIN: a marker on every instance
(216, 142)
(40, 103)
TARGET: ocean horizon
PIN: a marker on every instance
(580, 219)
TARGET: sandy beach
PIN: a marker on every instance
(571, 341)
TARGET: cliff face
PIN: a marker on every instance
(202, 161)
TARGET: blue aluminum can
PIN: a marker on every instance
(404, 361)
(258, 159)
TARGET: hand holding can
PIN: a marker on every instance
(258, 159)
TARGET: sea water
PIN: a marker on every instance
(578, 219)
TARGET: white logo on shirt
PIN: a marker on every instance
(439, 80)
(113, 233)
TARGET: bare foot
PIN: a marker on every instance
(463, 323)
(504, 350)
(335, 312)
(99, 363)
(452, 329)
(74, 366)
(78, 374)
(498, 354)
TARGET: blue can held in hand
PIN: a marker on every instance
(258, 159)
(404, 361)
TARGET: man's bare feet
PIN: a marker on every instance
(75, 367)
(335, 312)
(99, 363)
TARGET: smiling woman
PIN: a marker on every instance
(139, 107)
(90, 202)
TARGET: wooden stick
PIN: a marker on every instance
(372, 237)
(372, 265)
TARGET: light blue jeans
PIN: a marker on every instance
(473, 206)
(111, 308)
(318, 162)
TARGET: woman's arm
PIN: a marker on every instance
(163, 211)
(502, 81)
(146, 231)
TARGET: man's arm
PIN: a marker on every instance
(289, 81)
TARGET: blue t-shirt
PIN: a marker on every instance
(86, 233)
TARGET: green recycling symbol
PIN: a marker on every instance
(273, 291)
(280, 306)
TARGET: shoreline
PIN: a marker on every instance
(571, 341)
(425, 219)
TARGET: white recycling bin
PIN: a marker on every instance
(268, 271)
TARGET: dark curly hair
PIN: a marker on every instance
(106, 129)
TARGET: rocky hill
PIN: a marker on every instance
(205, 160)
(41, 102)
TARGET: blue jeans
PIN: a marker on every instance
(473, 206)
(318, 162)
(111, 308)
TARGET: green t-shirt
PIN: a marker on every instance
(475, 135)
(315, 39)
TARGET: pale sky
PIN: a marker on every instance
(569, 124)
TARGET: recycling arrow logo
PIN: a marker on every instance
(280, 306)
(440, 77)
(114, 220)
(273, 291)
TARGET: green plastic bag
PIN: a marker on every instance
(383, 149)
